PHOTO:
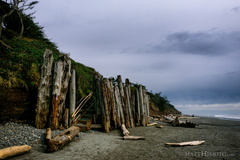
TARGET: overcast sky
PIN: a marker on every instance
(188, 50)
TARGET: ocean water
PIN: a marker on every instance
(235, 117)
(228, 116)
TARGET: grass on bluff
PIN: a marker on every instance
(20, 65)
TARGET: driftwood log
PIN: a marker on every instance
(126, 134)
(13, 151)
(152, 124)
(177, 123)
(125, 131)
(64, 138)
(133, 138)
(191, 143)
(43, 98)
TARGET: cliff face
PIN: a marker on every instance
(17, 104)
(156, 111)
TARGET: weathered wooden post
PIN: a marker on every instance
(123, 101)
(106, 107)
(142, 106)
(146, 100)
(62, 73)
(98, 97)
(137, 106)
(72, 94)
(128, 104)
(43, 98)
(118, 105)
(112, 104)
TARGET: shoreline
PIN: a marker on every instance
(221, 142)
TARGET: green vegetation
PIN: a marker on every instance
(22, 56)
(162, 103)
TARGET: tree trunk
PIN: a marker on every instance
(2, 18)
(72, 94)
(62, 73)
(22, 24)
(43, 98)
(13, 151)
(64, 138)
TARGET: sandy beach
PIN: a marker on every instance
(222, 141)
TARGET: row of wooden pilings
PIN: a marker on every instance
(120, 103)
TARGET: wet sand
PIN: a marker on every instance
(222, 141)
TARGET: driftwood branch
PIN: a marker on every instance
(191, 143)
(81, 104)
(133, 138)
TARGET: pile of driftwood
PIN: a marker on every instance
(52, 92)
(178, 123)
(120, 103)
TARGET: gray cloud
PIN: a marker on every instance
(202, 43)
(188, 50)
(236, 9)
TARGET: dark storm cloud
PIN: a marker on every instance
(201, 43)
(222, 89)
(236, 9)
